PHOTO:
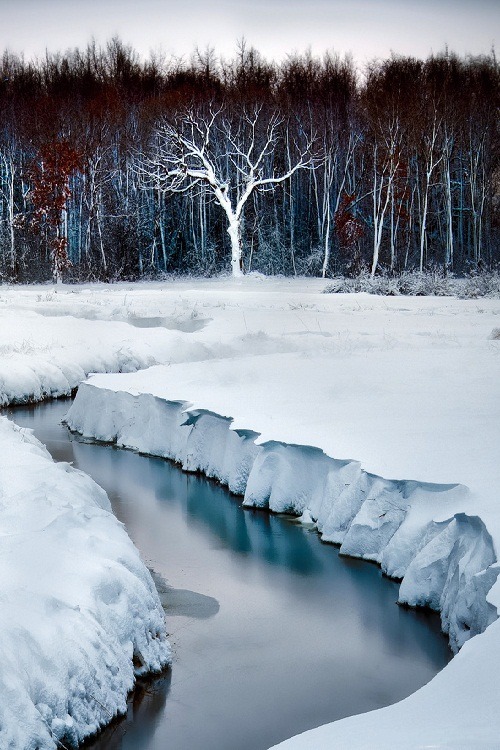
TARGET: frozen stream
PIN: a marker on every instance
(272, 632)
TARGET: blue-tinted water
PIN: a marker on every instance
(272, 632)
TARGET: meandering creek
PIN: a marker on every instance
(272, 632)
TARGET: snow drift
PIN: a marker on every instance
(80, 616)
(447, 563)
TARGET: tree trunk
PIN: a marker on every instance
(234, 231)
(423, 227)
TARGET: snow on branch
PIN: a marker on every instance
(233, 156)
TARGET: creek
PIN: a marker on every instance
(272, 632)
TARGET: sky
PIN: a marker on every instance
(366, 28)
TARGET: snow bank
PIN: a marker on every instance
(51, 339)
(57, 354)
(80, 616)
(403, 392)
(415, 531)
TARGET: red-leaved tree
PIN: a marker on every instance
(348, 228)
(50, 174)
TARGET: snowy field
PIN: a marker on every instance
(374, 418)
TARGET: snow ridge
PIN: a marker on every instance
(80, 617)
(446, 560)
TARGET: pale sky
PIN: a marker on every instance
(366, 28)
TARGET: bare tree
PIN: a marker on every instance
(386, 160)
(233, 157)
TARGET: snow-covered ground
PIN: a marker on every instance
(376, 418)
(79, 616)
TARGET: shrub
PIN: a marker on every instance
(417, 284)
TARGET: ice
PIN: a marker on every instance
(376, 419)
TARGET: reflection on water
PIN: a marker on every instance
(272, 632)
(144, 711)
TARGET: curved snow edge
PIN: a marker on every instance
(80, 616)
(415, 531)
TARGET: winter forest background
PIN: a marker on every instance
(115, 168)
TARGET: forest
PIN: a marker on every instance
(112, 167)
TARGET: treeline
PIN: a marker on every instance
(112, 167)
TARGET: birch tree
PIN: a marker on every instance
(7, 184)
(386, 160)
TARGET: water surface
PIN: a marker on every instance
(272, 632)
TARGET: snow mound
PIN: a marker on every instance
(80, 616)
(416, 531)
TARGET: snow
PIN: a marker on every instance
(79, 616)
(426, 533)
(374, 418)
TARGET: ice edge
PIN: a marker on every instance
(445, 558)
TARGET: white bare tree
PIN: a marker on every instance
(386, 160)
(231, 155)
(432, 158)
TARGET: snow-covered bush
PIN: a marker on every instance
(420, 284)
(481, 285)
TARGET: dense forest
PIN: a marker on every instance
(112, 167)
